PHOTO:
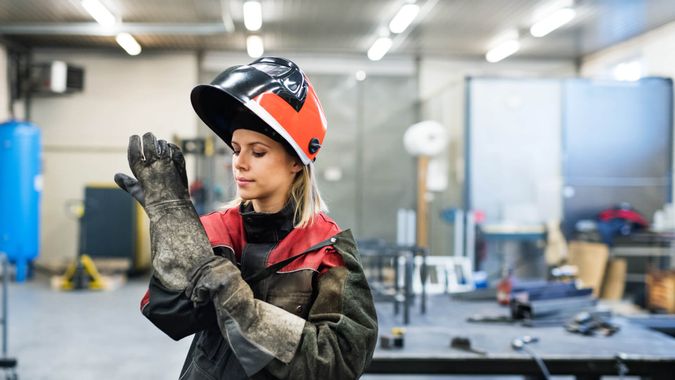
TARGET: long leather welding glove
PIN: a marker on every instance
(257, 331)
(179, 244)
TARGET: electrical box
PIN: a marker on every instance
(56, 78)
(114, 228)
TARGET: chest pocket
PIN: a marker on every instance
(297, 303)
(292, 291)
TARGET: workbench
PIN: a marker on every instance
(427, 350)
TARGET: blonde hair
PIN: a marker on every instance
(305, 194)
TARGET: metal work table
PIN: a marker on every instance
(375, 256)
(427, 346)
(657, 246)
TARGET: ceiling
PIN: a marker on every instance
(444, 28)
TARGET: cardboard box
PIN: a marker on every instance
(591, 260)
(615, 280)
(661, 290)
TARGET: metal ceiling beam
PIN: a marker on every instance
(95, 29)
(320, 63)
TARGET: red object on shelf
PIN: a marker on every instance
(504, 289)
(479, 216)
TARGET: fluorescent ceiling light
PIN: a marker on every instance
(99, 12)
(403, 18)
(380, 47)
(502, 51)
(254, 46)
(360, 75)
(628, 71)
(252, 15)
(59, 74)
(552, 22)
(128, 43)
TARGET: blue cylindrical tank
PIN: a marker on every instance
(20, 189)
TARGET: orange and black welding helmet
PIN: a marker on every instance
(270, 95)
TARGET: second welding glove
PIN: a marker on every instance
(179, 244)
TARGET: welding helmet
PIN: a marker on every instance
(269, 95)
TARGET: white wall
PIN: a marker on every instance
(85, 134)
(655, 50)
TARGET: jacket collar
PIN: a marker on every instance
(263, 227)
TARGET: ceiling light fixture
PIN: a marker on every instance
(502, 51)
(254, 46)
(128, 43)
(99, 12)
(628, 71)
(360, 75)
(403, 18)
(252, 15)
(380, 47)
(552, 22)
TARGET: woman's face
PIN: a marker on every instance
(263, 170)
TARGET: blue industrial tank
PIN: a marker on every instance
(20, 189)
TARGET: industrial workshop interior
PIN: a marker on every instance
(337, 189)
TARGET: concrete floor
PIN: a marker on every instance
(88, 335)
(99, 335)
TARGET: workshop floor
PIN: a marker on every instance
(100, 335)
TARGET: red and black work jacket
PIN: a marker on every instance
(297, 257)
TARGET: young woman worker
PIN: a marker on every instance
(271, 286)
